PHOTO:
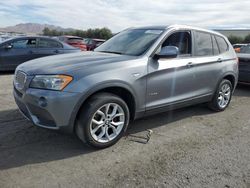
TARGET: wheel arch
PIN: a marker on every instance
(231, 77)
(120, 89)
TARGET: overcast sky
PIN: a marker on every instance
(120, 14)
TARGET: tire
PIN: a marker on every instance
(98, 127)
(222, 96)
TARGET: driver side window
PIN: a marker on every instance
(181, 40)
(24, 43)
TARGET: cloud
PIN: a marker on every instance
(120, 14)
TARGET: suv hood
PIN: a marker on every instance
(69, 63)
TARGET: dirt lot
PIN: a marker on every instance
(191, 147)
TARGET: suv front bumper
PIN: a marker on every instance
(46, 108)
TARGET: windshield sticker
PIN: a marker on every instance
(156, 32)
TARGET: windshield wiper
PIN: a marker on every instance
(111, 52)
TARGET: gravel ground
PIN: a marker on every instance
(191, 147)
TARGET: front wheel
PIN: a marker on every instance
(222, 96)
(103, 120)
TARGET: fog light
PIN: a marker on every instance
(42, 102)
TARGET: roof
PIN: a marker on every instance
(28, 37)
(160, 27)
(25, 37)
(177, 26)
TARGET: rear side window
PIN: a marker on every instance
(45, 43)
(215, 46)
(203, 44)
(223, 46)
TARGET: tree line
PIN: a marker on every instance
(235, 39)
(105, 33)
(100, 33)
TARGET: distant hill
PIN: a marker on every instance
(32, 28)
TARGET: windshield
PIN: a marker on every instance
(6, 40)
(131, 42)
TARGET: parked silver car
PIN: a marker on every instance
(138, 72)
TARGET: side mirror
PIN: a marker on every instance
(8, 46)
(168, 52)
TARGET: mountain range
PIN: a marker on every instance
(32, 28)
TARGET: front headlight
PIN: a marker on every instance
(52, 82)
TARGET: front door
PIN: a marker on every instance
(171, 80)
(20, 51)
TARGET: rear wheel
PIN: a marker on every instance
(103, 120)
(222, 96)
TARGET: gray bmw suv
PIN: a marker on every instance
(138, 72)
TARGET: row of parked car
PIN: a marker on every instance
(20, 49)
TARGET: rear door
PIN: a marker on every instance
(207, 62)
(48, 47)
(20, 50)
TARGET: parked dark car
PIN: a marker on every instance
(93, 43)
(75, 41)
(138, 72)
(244, 64)
(15, 51)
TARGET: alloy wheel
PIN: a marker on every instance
(224, 95)
(107, 122)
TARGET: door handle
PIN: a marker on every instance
(56, 51)
(219, 60)
(190, 64)
(30, 52)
